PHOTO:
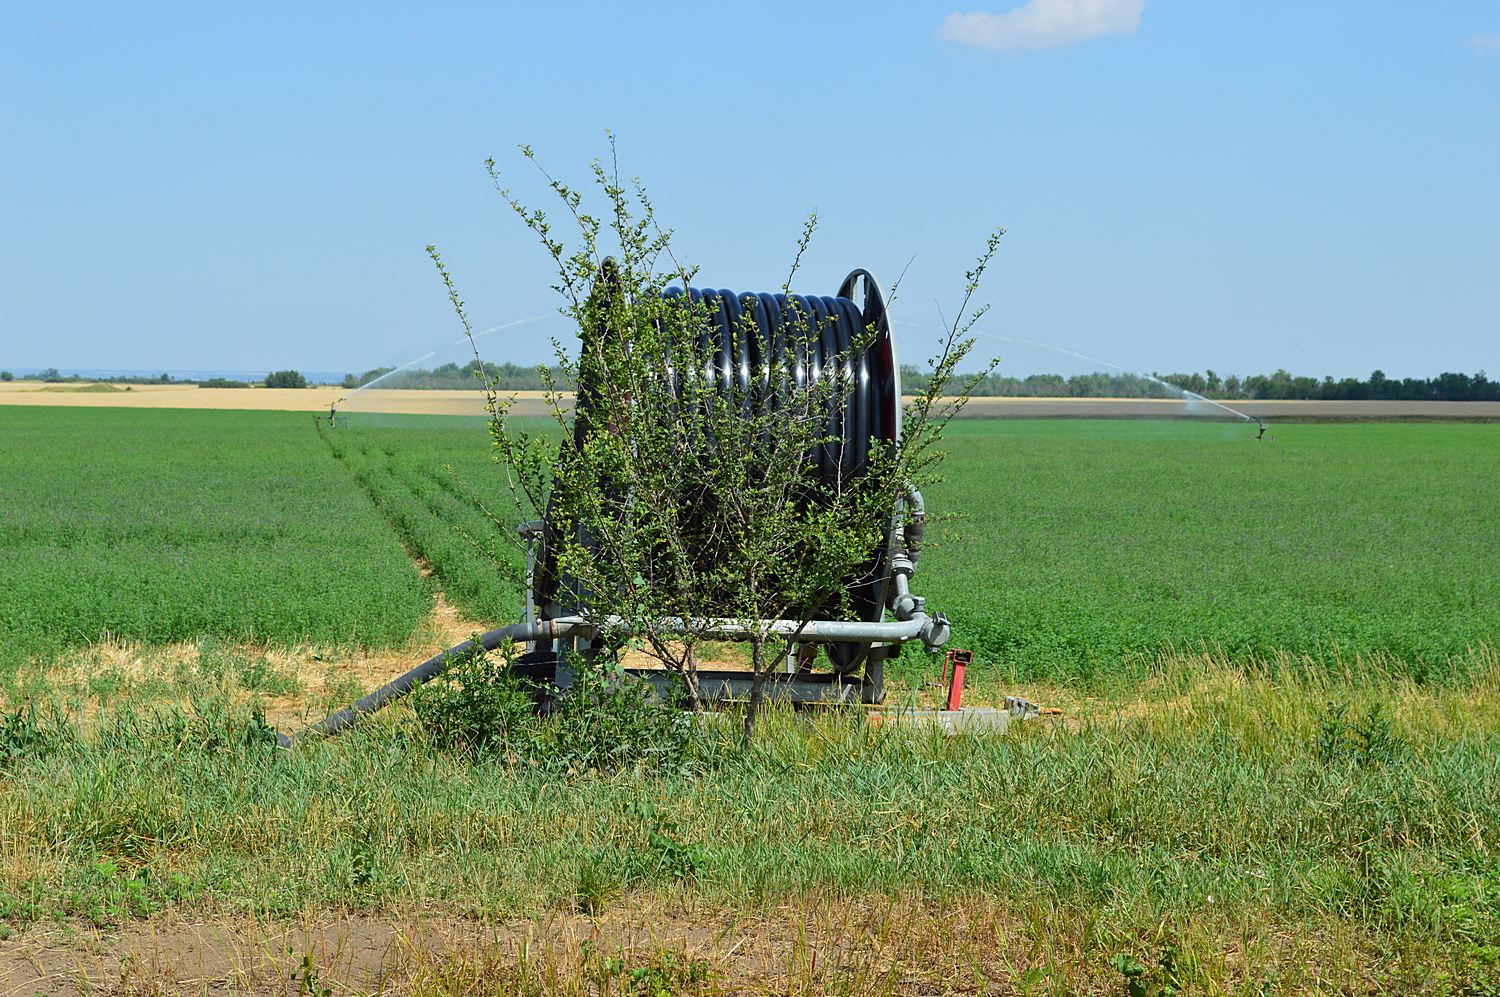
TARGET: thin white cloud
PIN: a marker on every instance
(1043, 24)
(1484, 43)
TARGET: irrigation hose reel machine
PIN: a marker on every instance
(885, 613)
(745, 333)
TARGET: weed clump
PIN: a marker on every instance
(1360, 740)
(662, 855)
(477, 705)
(604, 722)
(27, 732)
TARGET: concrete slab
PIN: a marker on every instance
(972, 719)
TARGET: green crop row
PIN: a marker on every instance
(439, 490)
(160, 526)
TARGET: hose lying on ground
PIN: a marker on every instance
(425, 672)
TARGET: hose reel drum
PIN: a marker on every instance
(743, 332)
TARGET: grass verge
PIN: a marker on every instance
(1238, 826)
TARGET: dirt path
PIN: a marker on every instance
(814, 945)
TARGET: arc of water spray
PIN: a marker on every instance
(431, 353)
(1191, 396)
(504, 325)
(376, 380)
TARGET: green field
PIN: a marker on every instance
(1073, 548)
(158, 526)
(1311, 806)
(1083, 545)
(1065, 548)
(434, 480)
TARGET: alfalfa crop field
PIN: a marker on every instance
(1274, 764)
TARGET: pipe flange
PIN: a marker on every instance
(936, 632)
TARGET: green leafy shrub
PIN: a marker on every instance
(606, 722)
(603, 722)
(1361, 740)
(477, 705)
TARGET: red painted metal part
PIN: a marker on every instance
(957, 661)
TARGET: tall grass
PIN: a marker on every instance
(1219, 800)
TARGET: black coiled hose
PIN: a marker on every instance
(824, 330)
(746, 336)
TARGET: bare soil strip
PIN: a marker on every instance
(357, 953)
(533, 403)
(813, 945)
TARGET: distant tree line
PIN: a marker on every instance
(278, 379)
(285, 379)
(52, 376)
(914, 380)
(1446, 387)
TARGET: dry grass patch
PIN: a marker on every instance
(291, 684)
(818, 944)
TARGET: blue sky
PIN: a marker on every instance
(1240, 186)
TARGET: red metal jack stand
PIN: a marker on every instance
(957, 661)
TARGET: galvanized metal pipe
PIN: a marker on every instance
(808, 632)
(933, 632)
(903, 603)
(429, 670)
(914, 522)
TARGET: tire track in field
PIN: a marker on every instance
(442, 508)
